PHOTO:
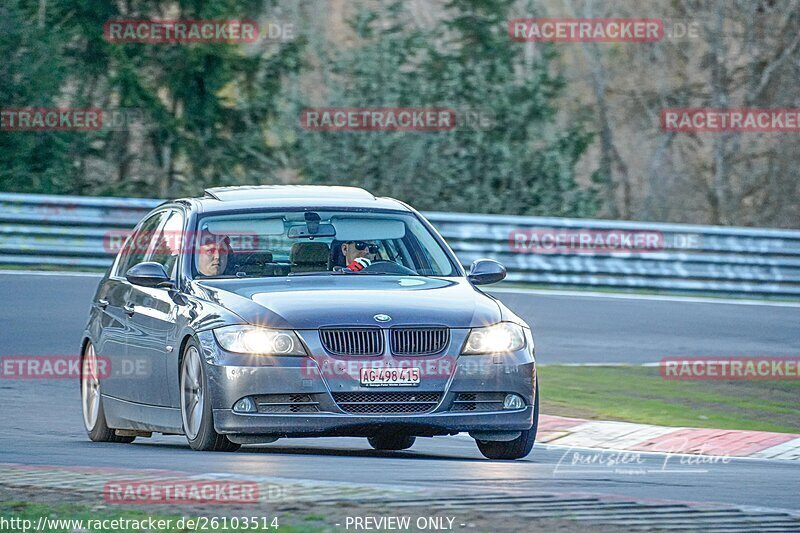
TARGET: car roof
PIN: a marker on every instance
(220, 199)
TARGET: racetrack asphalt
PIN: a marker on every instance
(567, 328)
(44, 315)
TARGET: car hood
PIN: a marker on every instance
(311, 302)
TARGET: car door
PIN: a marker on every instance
(116, 299)
(109, 340)
(152, 319)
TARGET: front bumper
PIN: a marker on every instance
(323, 378)
(347, 425)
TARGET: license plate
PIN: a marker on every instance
(389, 377)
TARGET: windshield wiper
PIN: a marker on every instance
(362, 273)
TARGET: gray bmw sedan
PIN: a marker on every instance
(255, 313)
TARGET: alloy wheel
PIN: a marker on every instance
(192, 395)
(90, 388)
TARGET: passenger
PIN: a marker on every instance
(358, 255)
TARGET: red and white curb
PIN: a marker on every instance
(579, 433)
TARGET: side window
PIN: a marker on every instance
(137, 246)
(167, 244)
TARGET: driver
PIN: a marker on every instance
(213, 254)
(358, 255)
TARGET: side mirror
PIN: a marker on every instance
(486, 271)
(147, 274)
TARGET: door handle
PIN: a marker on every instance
(129, 310)
(102, 304)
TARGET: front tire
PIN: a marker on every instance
(94, 418)
(391, 442)
(517, 448)
(198, 419)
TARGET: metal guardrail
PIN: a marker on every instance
(68, 231)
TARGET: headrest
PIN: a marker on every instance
(336, 257)
(254, 257)
(206, 237)
(304, 253)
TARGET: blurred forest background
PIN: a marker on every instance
(563, 129)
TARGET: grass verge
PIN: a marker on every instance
(640, 394)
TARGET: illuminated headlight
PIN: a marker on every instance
(256, 340)
(499, 338)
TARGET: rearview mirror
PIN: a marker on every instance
(486, 271)
(312, 230)
(147, 274)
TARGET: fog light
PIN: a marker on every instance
(513, 401)
(245, 405)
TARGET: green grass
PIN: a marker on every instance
(33, 511)
(640, 394)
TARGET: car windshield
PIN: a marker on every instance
(292, 243)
